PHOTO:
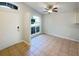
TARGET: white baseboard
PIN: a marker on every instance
(64, 37)
(28, 43)
(13, 43)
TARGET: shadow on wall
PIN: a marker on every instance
(75, 31)
(75, 25)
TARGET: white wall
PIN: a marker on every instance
(10, 19)
(62, 24)
(77, 13)
(28, 12)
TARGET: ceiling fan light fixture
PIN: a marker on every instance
(49, 11)
(51, 8)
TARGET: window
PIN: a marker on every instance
(37, 29)
(35, 25)
(5, 4)
(32, 30)
(32, 21)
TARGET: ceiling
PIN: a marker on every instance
(62, 6)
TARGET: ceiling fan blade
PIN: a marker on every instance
(54, 10)
(45, 11)
(46, 8)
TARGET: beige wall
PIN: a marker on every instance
(27, 14)
(9, 35)
(62, 24)
(10, 19)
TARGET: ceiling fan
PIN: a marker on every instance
(51, 8)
